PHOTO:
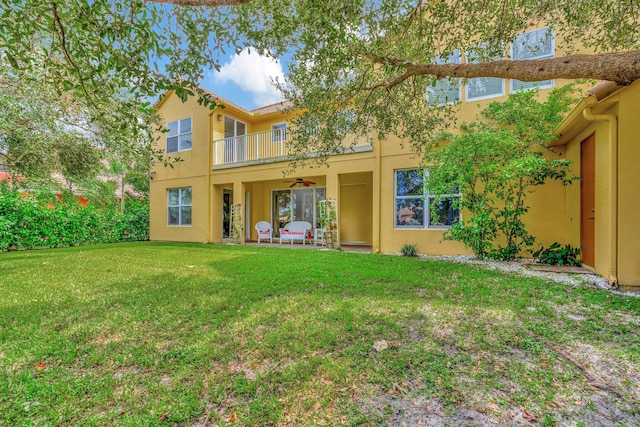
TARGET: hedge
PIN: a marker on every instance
(40, 221)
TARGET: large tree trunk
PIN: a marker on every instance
(620, 67)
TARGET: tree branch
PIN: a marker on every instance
(18, 125)
(63, 45)
(214, 3)
(76, 125)
(620, 67)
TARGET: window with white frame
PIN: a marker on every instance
(179, 135)
(482, 87)
(279, 132)
(179, 206)
(415, 208)
(446, 90)
(537, 44)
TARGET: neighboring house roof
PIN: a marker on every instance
(104, 177)
(59, 178)
(278, 106)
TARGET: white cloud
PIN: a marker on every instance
(254, 74)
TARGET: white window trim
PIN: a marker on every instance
(179, 135)
(235, 128)
(179, 206)
(430, 88)
(480, 98)
(278, 132)
(469, 98)
(552, 55)
(425, 200)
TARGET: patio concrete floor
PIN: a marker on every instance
(345, 248)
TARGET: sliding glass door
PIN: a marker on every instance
(298, 204)
(281, 206)
(235, 140)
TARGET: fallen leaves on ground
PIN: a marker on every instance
(529, 415)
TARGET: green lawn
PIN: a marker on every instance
(181, 334)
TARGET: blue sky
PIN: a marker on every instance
(245, 79)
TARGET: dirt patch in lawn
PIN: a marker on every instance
(592, 409)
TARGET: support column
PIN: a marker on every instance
(376, 200)
(216, 213)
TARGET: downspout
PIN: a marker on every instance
(378, 151)
(613, 184)
(209, 166)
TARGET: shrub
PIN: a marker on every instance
(557, 254)
(495, 163)
(40, 221)
(410, 250)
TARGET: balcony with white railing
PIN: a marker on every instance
(267, 147)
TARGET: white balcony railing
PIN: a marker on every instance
(268, 145)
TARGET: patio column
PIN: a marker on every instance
(238, 199)
(376, 203)
(216, 213)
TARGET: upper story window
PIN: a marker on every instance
(179, 206)
(537, 44)
(179, 135)
(446, 90)
(483, 87)
(279, 132)
(415, 208)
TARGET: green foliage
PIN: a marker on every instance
(365, 53)
(495, 163)
(44, 131)
(557, 254)
(329, 222)
(409, 250)
(41, 221)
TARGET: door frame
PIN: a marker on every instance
(226, 194)
(290, 190)
(588, 197)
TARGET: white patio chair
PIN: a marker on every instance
(264, 231)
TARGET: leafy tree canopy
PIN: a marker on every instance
(53, 140)
(377, 56)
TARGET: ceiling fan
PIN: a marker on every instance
(301, 181)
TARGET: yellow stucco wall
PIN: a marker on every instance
(191, 171)
(617, 230)
(628, 188)
(366, 179)
(356, 208)
(603, 210)
(428, 241)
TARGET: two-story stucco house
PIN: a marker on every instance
(234, 156)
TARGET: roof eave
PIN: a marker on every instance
(600, 95)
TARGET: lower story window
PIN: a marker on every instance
(415, 208)
(179, 206)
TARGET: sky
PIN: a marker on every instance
(245, 79)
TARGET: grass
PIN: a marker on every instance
(175, 334)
